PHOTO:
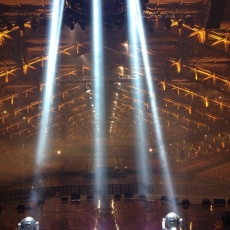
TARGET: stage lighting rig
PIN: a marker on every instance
(28, 223)
(113, 12)
(172, 222)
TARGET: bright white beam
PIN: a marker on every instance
(99, 95)
(54, 35)
(141, 146)
(156, 122)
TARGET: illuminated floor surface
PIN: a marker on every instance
(109, 214)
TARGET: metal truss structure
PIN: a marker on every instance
(189, 65)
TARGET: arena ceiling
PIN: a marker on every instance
(189, 65)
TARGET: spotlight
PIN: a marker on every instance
(153, 104)
(171, 222)
(54, 35)
(167, 23)
(28, 224)
(136, 30)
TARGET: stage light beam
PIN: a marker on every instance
(136, 15)
(54, 36)
(141, 147)
(99, 95)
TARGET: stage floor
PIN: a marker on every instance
(109, 214)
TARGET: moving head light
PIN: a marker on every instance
(172, 222)
(28, 223)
